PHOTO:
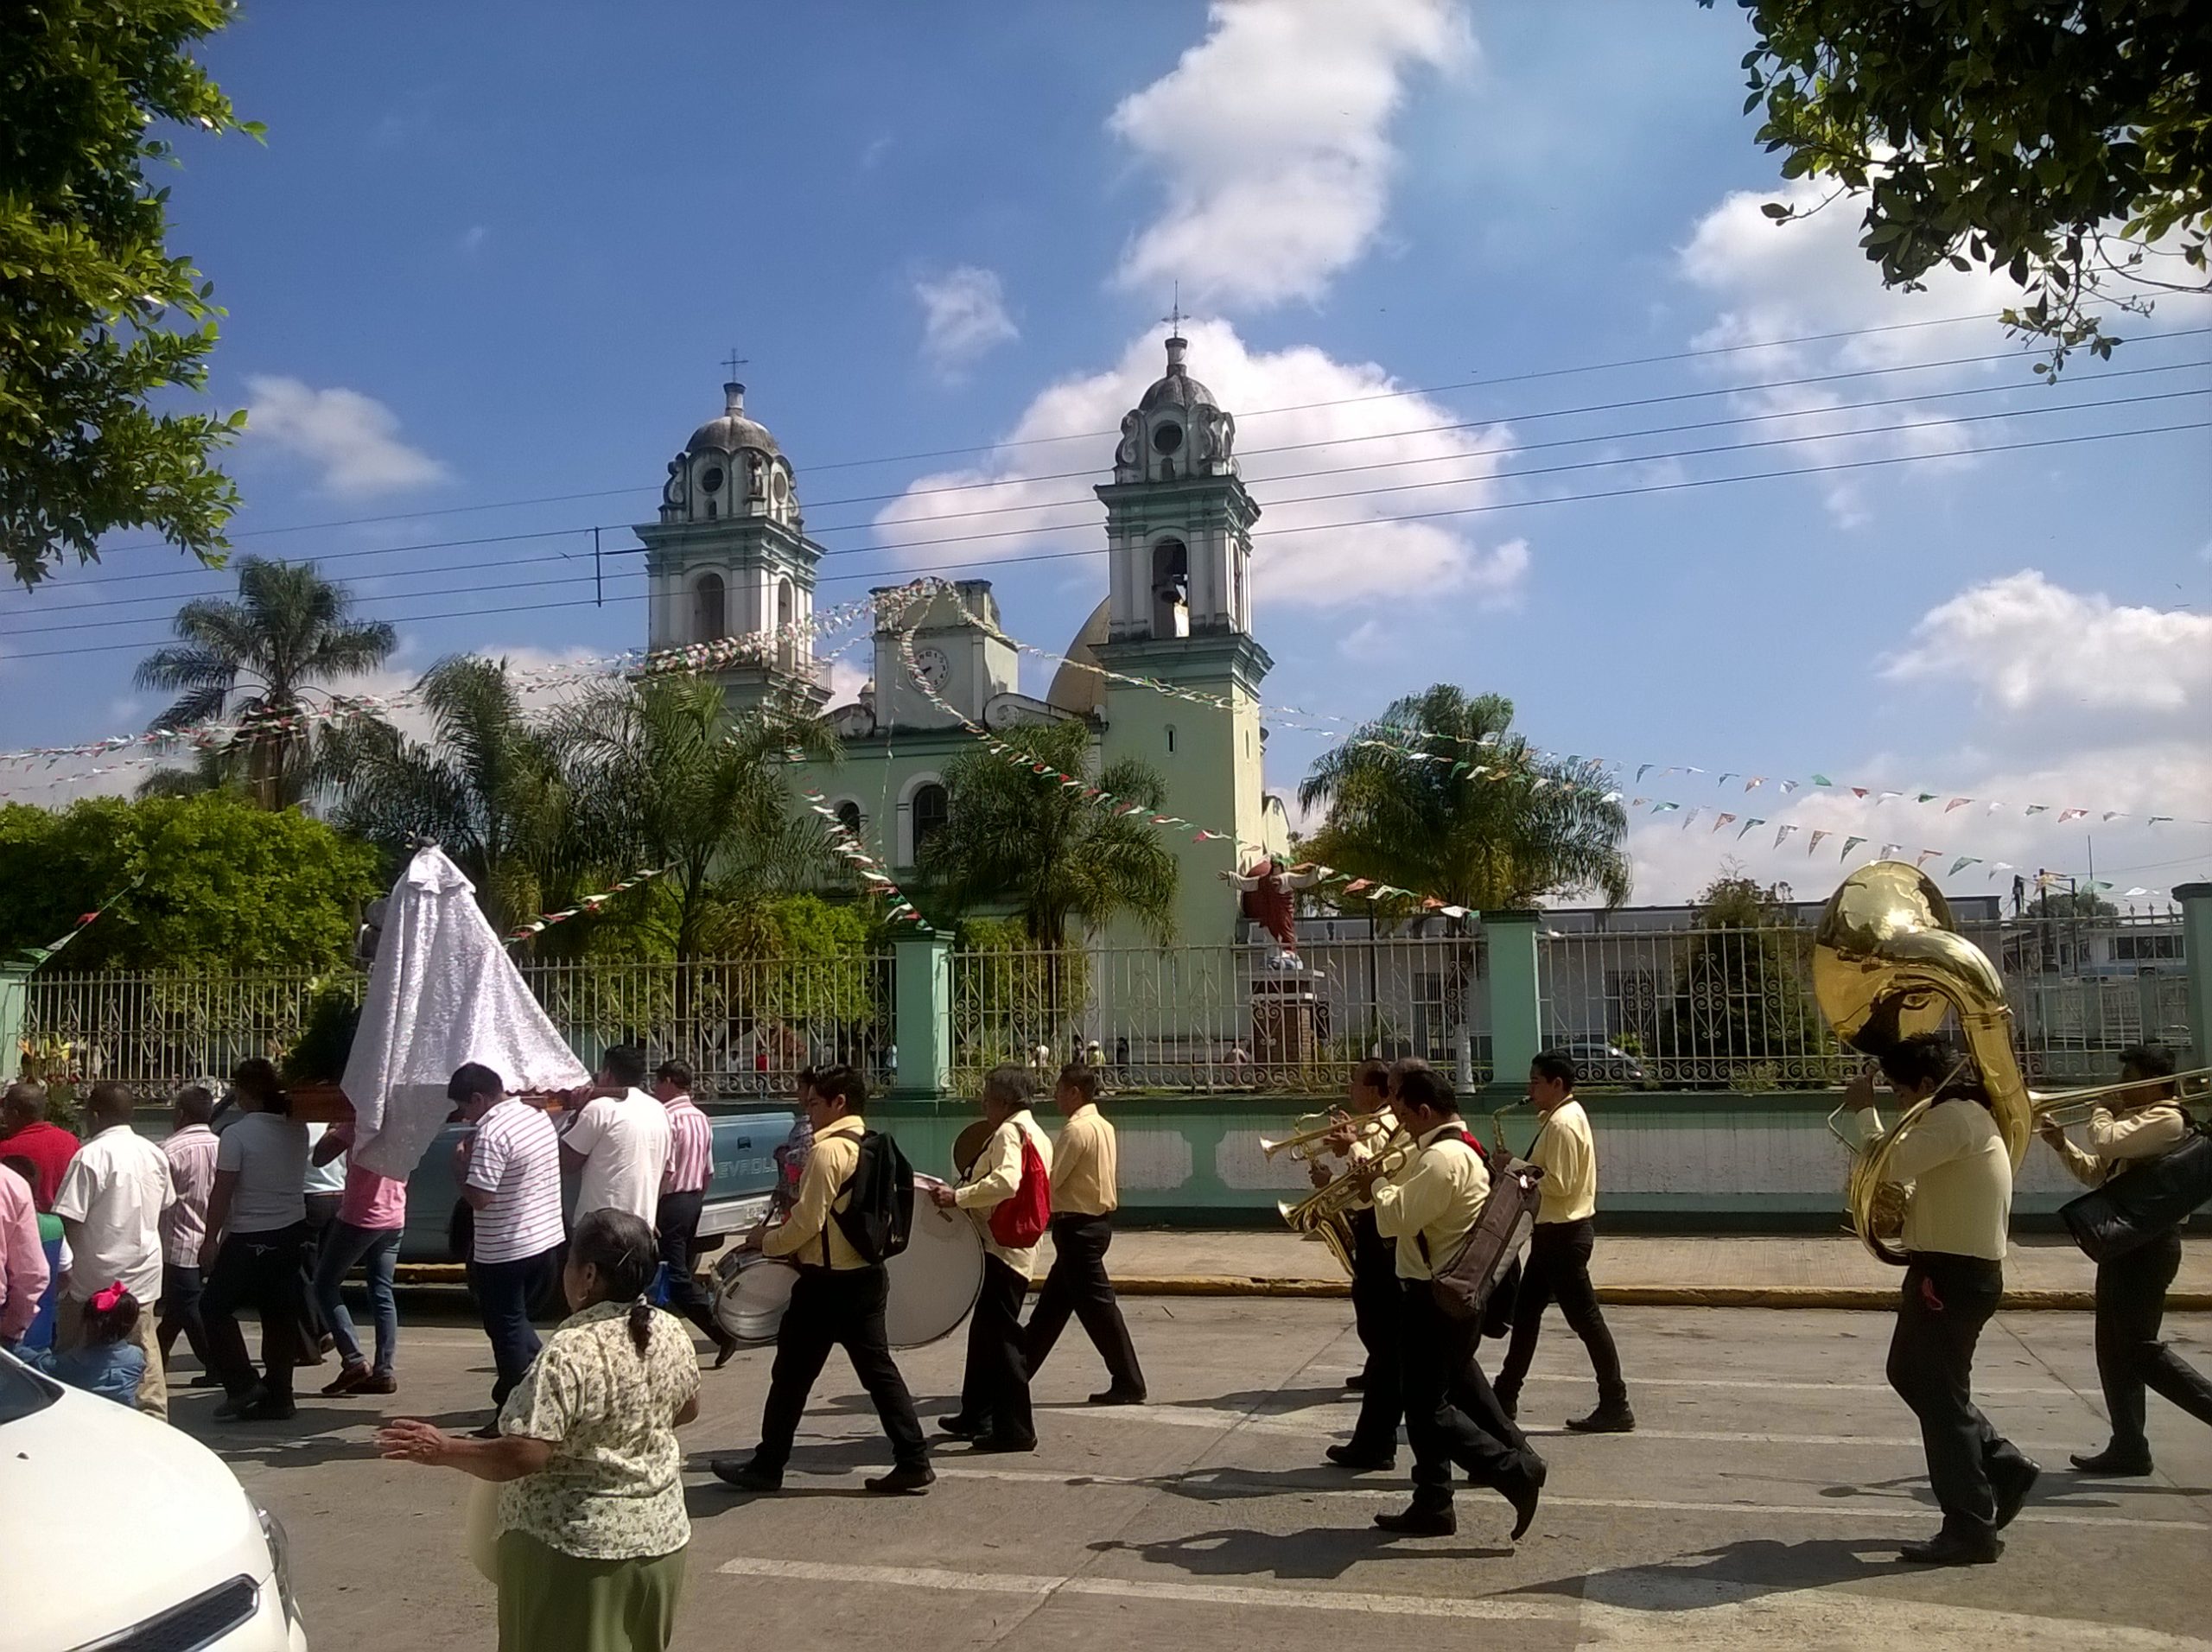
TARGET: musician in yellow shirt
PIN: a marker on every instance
(1450, 1415)
(1955, 1159)
(1086, 1191)
(1559, 1250)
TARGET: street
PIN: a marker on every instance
(1771, 1473)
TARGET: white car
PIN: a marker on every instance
(140, 1537)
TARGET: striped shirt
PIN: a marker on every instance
(515, 1156)
(691, 1148)
(191, 1152)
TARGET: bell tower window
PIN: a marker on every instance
(786, 639)
(933, 808)
(709, 608)
(1167, 438)
(1171, 589)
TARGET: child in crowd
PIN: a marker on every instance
(106, 1362)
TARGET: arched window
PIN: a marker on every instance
(932, 807)
(1171, 589)
(786, 639)
(709, 617)
(848, 817)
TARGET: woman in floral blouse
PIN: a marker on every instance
(592, 1526)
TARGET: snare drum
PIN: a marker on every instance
(751, 1293)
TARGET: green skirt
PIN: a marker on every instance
(551, 1602)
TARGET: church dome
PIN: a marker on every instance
(1077, 688)
(733, 432)
(1176, 388)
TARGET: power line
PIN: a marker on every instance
(1554, 372)
(545, 533)
(1306, 499)
(1680, 485)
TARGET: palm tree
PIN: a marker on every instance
(675, 781)
(487, 786)
(1023, 839)
(261, 660)
(1405, 807)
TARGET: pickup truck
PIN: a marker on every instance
(746, 1140)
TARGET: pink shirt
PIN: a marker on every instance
(371, 1202)
(191, 1153)
(24, 1271)
(691, 1148)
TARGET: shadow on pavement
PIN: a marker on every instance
(1318, 1553)
(1734, 1572)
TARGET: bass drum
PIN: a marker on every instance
(751, 1293)
(935, 1279)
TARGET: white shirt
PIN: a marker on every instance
(626, 1143)
(270, 1154)
(515, 1156)
(115, 1190)
(323, 1178)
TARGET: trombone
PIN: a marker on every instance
(2067, 1108)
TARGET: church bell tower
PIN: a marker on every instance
(1178, 528)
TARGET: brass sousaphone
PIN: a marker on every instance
(1888, 963)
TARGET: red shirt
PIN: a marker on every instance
(49, 1147)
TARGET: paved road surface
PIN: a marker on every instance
(1771, 1474)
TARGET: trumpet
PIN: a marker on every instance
(1326, 1213)
(2066, 1107)
(1301, 1142)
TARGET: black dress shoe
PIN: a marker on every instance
(2011, 1484)
(1508, 1403)
(725, 1347)
(1606, 1420)
(1418, 1521)
(238, 1404)
(489, 1430)
(959, 1427)
(1002, 1443)
(1119, 1397)
(206, 1380)
(1355, 1383)
(1360, 1462)
(744, 1477)
(269, 1408)
(910, 1481)
(1523, 1491)
(2112, 1464)
(1952, 1548)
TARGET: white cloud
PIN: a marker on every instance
(353, 440)
(845, 682)
(473, 239)
(964, 317)
(1271, 136)
(2024, 643)
(1317, 470)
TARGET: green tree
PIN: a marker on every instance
(262, 660)
(1023, 841)
(1741, 1012)
(488, 786)
(226, 886)
(2060, 141)
(1405, 806)
(97, 320)
(671, 780)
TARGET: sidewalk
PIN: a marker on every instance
(2044, 1271)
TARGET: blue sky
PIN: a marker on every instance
(496, 253)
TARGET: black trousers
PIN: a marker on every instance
(2131, 1302)
(1945, 1302)
(678, 1221)
(181, 1288)
(1377, 1309)
(1558, 1270)
(260, 1270)
(323, 1211)
(995, 1390)
(505, 1291)
(1077, 1285)
(1451, 1416)
(835, 1309)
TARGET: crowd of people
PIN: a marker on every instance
(112, 1247)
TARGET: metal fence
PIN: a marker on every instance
(1221, 1017)
(746, 1026)
(1732, 1008)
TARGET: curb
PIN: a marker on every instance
(1854, 1297)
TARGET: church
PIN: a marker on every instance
(729, 558)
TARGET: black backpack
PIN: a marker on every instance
(879, 1217)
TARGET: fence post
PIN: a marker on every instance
(15, 991)
(921, 1015)
(2196, 948)
(1516, 1028)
